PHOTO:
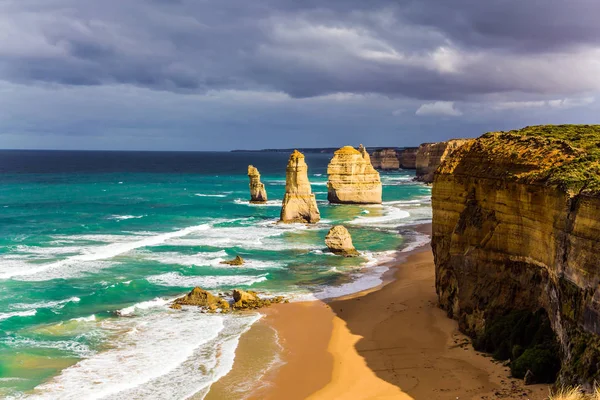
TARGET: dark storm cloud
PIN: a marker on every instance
(435, 49)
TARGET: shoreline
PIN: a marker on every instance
(390, 341)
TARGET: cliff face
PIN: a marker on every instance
(299, 203)
(258, 194)
(430, 156)
(516, 226)
(352, 178)
(385, 159)
(408, 158)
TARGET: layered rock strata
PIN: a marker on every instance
(516, 228)
(385, 159)
(352, 178)
(430, 156)
(299, 203)
(258, 194)
(339, 241)
(408, 158)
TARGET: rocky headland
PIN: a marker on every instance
(385, 159)
(430, 155)
(516, 238)
(258, 194)
(339, 241)
(299, 203)
(352, 179)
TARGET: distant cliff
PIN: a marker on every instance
(430, 155)
(385, 159)
(516, 240)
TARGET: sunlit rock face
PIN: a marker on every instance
(352, 178)
(430, 156)
(408, 158)
(299, 203)
(516, 226)
(258, 194)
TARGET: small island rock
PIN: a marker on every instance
(339, 241)
(236, 261)
(201, 298)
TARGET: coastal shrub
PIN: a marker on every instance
(527, 339)
(542, 361)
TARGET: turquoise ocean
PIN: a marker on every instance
(94, 245)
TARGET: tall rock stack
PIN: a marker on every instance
(352, 178)
(299, 203)
(385, 159)
(258, 194)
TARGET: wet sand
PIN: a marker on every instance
(392, 343)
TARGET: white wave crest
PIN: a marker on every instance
(7, 315)
(206, 282)
(144, 305)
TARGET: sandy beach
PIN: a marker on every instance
(391, 343)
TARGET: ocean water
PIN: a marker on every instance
(94, 245)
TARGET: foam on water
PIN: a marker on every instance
(46, 304)
(100, 253)
(391, 214)
(159, 358)
(144, 305)
(7, 315)
(124, 217)
(206, 282)
(268, 203)
(72, 347)
(209, 195)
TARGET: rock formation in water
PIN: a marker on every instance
(516, 240)
(249, 300)
(339, 241)
(385, 159)
(201, 298)
(430, 156)
(299, 203)
(236, 261)
(258, 194)
(352, 178)
(408, 158)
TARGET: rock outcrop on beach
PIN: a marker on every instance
(339, 242)
(516, 239)
(249, 300)
(236, 261)
(258, 194)
(201, 298)
(352, 178)
(385, 159)
(430, 156)
(299, 203)
(408, 158)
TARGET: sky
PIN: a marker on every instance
(252, 74)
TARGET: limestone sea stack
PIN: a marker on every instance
(385, 159)
(430, 156)
(352, 178)
(299, 203)
(339, 241)
(258, 194)
(516, 239)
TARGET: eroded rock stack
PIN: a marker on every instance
(352, 178)
(201, 298)
(516, 238)
(339, 241)
(385, 159)
(299, 203)
(258, 194)
(430, 156)
(408, 158)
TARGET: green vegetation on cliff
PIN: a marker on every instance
(565, 155)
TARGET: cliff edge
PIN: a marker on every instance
(430, 155)
(516, 239)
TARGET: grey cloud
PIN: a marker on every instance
(428, 50)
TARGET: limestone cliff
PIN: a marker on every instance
(385, 159)
(352, 178)
(430, 156)
(258, 194)
(299, 203)
(408, 158)
(516, 226)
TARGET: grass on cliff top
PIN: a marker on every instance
(574, 164)
(574, 393)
